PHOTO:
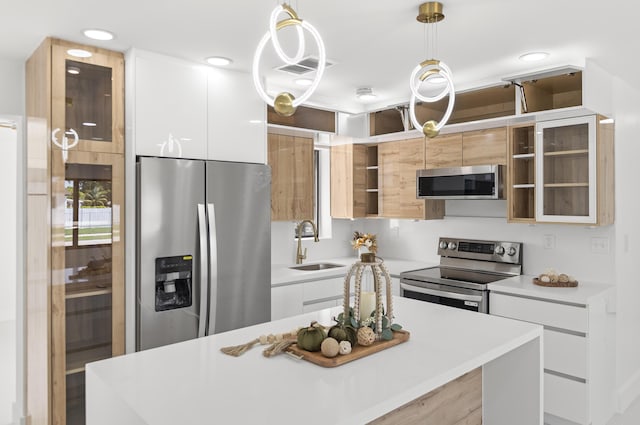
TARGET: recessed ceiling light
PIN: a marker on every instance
(96, 34)
(533, 56)
(79, 53)
(306, 82)
(219, 61)
(73, 70)
(365, 94)
(89, 124)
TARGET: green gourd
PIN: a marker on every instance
(343, 333)
(311, 338)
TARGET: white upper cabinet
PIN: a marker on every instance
(168, 112)
(236, 117)
(181, 109)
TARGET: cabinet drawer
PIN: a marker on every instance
(318, 306)
(565, 398)
(320, 289)
(565, 353)
(545, 313)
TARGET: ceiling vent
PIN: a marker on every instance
(306, 65)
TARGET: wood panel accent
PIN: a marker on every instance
(38, 293)
(305, 117)
(292, 178)
(484, 147)
(398, 162)
(443, 151)
(348, 181)
(458, 402)
(605, 172)
(38, 237)
(103, 58)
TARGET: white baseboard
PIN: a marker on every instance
(628, 392)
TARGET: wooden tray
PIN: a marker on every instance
(570, 284)
(358, 351)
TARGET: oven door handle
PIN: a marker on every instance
(438, 293)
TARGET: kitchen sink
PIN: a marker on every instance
(316, 266)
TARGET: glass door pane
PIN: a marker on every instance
(88, 276)
(566, 170)
(88, 100)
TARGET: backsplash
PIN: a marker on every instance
(283, 243)
(571, 250)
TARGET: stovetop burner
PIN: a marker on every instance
(448, 273)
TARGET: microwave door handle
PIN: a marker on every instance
(438, 293)
(213, 268)
(204, 270)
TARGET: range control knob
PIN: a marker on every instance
(443, 244)
(511, 251)
(452, 246)
(499, 250)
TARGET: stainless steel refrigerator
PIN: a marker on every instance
(203, 248)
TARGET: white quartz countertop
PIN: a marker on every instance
(194, 383)
(581, 294)
(282, 274)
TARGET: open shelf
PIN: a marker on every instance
(77, 359)
(552, 185)
(574, 152)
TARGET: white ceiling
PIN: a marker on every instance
(373, 43)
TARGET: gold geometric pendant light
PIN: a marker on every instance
(429, 69)
(285, 103)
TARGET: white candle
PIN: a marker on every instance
(367, 304)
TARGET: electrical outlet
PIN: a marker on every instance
(549, 241)
(600, 245)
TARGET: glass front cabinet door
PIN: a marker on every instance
(87, 276)
(566, 170)
(87, 98)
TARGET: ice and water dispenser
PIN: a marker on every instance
(173, 282)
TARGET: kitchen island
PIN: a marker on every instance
(194, 383)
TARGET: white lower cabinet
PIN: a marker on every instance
(576, 390)
(303, 297)
(286, 301)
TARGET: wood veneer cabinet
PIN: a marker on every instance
(398, 162)
(292, 178)
(349, 181)
(480, 147)
(75, 224)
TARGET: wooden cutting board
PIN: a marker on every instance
(358, 351)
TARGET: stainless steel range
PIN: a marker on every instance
(466, 268)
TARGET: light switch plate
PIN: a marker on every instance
(600, 245)
(549, 241)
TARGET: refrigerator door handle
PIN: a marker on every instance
(204, 270)
(213, 268)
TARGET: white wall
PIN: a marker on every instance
(627, 230)
(12, 86)
(283, 243)
(417, 240)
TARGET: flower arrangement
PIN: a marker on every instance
(367, 240)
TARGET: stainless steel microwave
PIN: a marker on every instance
(472, 182)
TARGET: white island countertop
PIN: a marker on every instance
(194, 383)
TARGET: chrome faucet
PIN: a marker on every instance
(299, 255)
